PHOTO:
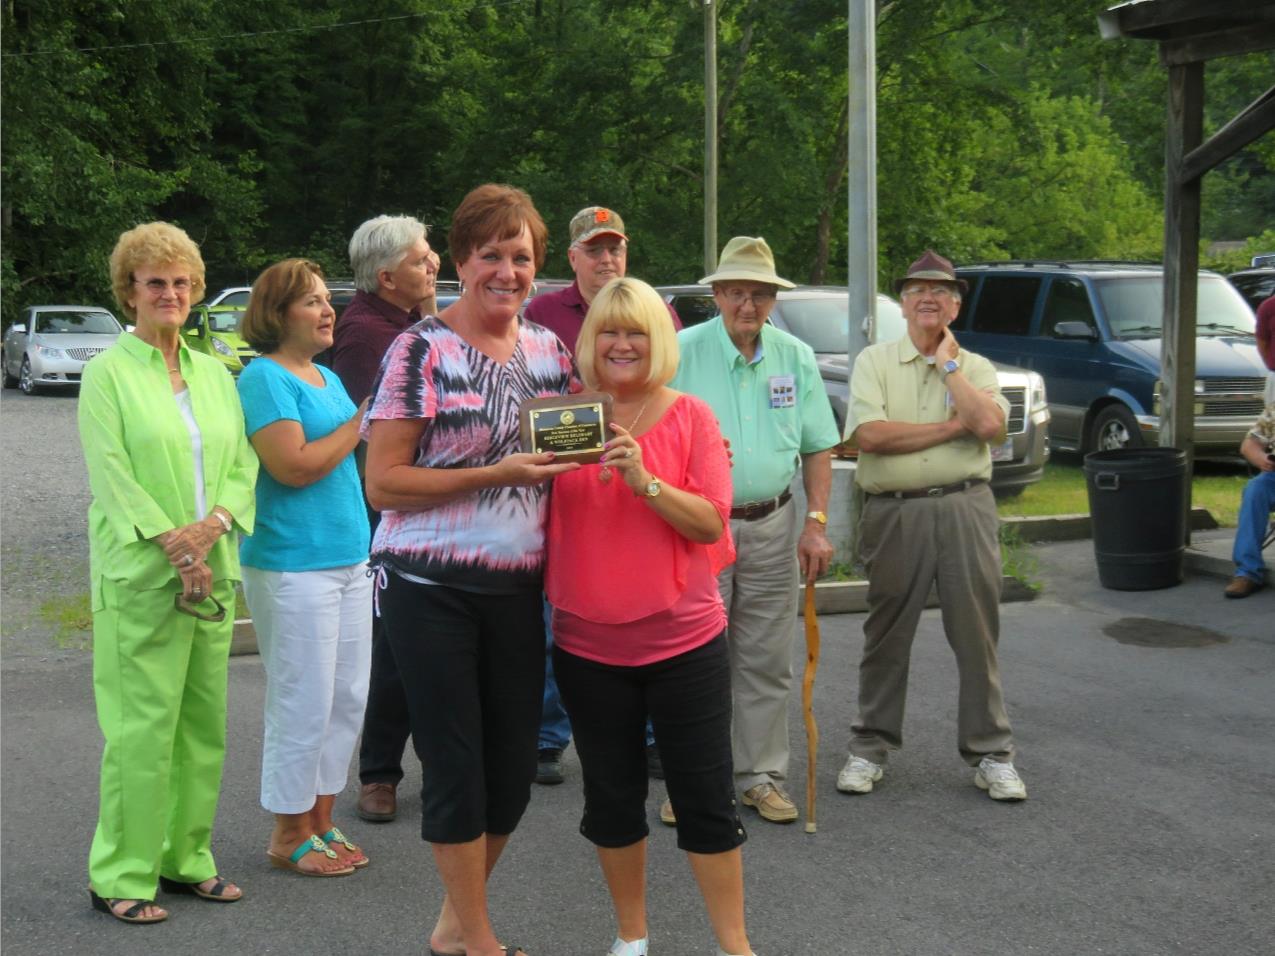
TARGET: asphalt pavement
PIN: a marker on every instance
(1144, 722)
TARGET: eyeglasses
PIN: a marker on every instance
(185, 607)
(180, 286)
(596, 250)
(938, 291)
(739, 297)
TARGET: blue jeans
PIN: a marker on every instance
(555, 728)
(1255, 514)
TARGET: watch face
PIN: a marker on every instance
(652, 489)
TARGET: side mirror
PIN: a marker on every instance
(19, 328)
(1075, 330)
(194, 327)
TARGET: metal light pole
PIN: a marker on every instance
(710, 136)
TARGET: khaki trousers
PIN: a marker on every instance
(760, 594)
(909, 545)
(159, 680)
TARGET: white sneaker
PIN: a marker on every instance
(632, 947)
(858, 775)
(1000, 780)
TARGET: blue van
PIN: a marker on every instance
(1093, 331)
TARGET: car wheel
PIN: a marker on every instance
(9, 380)
(26, 381)
(1113, 428)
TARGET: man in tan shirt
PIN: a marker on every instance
(922, 414)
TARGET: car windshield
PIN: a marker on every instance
(53, 323)
(890, 322)
(224, 321)
(1135, 307)
(822, 323)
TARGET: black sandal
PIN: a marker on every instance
(216, 894)
(131, 915)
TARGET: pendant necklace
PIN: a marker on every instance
(605, 474)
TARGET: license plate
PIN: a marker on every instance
(1004, 452)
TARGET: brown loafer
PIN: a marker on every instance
(771, 802)
(1242, 586)
(378, 802)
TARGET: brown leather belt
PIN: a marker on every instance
(937, 492)
(759, 509)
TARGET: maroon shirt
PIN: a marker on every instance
(1265, 330)
(562, 313)
(367, 328)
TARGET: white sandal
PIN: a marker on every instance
(634, 947)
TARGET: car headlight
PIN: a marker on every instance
(223, 348)
(1036, 388)
(50, 353)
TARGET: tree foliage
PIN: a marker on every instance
(1005, 128)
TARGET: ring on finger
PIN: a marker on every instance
(187, 560)
(628, 453)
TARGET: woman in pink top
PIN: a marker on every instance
(635, 544)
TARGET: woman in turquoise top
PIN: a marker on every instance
(305, 568)
(172, 477)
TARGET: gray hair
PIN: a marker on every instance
(382, 243)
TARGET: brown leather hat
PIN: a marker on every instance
(934, 268)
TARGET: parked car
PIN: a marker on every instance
(1256, 285)
(820, 317)
(49, 345)
(1093, 331)
(237, 296)
(214, 330)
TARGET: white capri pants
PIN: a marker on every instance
(314, 632)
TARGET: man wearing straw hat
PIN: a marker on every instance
(766, 390)
(922, 412)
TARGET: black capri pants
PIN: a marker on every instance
(473, 669)
(688, 700)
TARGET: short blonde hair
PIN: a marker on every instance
(265, 322)
(153, 244)
(630, 304)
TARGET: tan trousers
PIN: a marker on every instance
(909, 545)
(760, 594)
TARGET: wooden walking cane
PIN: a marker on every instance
(807, 702)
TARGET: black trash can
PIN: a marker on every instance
(1137, 506)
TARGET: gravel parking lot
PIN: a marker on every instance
(44, 552)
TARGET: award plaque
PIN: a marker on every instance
(573, 427)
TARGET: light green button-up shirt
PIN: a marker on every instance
(894, 382)
(773, 409)
(141, 464)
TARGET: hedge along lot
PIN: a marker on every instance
(1216, 486)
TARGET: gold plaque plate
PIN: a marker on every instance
(573, 427)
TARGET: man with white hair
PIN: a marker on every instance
(394, 272)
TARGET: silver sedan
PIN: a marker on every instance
(49, 345)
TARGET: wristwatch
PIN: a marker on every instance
(950, 366)
(817, 516)
(652, 488)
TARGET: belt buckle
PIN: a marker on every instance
(934, 492)
(753, 510)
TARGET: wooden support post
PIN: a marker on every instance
(1181, 265)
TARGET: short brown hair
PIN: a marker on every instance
(264, 323)
(153, 244)
(494, 210)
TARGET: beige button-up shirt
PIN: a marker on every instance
(892, 381)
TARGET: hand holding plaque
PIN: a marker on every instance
(572, 427)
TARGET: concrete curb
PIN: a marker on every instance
(851, 597)
(1075, 527)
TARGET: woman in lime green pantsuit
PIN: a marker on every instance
(172, 475)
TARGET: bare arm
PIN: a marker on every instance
(1255, 454)
(395, 484)
(814, 551)
(692, 516)
(901, 438)
(293, 461)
